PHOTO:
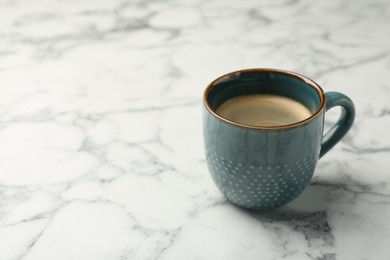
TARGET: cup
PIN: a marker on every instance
(264, 167)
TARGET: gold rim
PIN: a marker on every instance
(306, 80)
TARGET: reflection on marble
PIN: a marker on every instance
(101, 153)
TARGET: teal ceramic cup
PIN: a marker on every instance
(264, 167)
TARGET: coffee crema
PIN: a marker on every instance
(263, 110)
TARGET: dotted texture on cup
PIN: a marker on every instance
(260, 187)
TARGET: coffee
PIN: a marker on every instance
(263, 110)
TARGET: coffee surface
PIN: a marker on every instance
(263, 110)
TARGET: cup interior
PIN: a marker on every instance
(265, 81)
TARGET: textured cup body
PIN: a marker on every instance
(257, 168)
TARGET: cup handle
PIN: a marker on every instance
(343, 124)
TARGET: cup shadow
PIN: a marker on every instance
(313, 202)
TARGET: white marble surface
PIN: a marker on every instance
(101, 153)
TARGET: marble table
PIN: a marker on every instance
(101, 152)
